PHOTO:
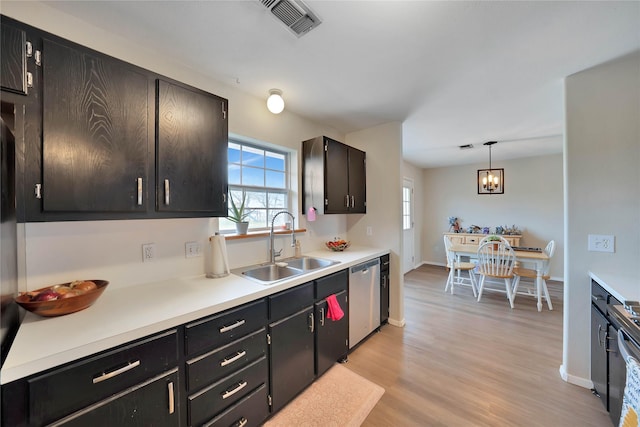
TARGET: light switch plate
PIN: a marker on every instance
(601, 243)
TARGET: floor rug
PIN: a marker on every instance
(339, 398)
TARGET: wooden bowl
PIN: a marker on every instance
(59, 307)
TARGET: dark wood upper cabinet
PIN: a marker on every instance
(103, 139)
(95, 133)
(334, 177)
(191, 150)
(13, 59)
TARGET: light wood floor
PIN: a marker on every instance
(459, 362)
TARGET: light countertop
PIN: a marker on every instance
(129, 313)
(611, 282)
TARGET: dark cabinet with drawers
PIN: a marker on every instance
(226, 367)
(332, 335)
(115, 383)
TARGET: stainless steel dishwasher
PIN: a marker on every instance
(364, 300)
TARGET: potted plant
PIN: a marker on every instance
(494, 238)
(239, 214)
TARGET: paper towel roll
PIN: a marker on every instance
(219, 260)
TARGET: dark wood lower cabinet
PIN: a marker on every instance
(599, 366)
(153, 403)
(332, 336)
(292, 356)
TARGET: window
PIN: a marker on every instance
(261, 176)
(406, 208)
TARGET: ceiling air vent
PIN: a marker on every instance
(294, 14)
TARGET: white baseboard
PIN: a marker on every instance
(397, 323)
(572, 379)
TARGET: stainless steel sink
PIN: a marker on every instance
(270, 273)
(309, 263)
(267, 274)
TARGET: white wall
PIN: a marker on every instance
(383, 145)
(532, 200)
(63, 251)
(602, 181)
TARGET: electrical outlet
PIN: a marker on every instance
(601, 243)
(148, 252)
(192, 250)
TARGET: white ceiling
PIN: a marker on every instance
(453, 72)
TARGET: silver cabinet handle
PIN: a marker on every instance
(597, 298)
(38, 191)
(167, 196)
(139, 191)
(346, 200)
(107, 375)
(311, 323)
(231, 327)
(228, 361)
(322, 316)
(241, 422)
(353, 202)
(172, 406)
(234, 390)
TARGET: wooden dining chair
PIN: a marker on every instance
(456, 267)
(496, 260)
(528, 273)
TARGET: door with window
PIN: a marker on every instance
(408, 238)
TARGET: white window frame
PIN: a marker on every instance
(269, 211)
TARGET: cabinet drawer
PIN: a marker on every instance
(213, 399)
(599, 296)
(472, 240)
(223, 328)
(290, 301)
(248, 412)
(223, 361)
(152, 403)
(65, 390)
(332, 284)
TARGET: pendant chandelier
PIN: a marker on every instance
(490, 181)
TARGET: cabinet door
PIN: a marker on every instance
(332, 336)
(292, 356)
(95, 153)
(384, 296)
(617, 377)
(191, 150)
(357, 181)
(599, 368)
(153, 403)
(336, 176)
(13, 60)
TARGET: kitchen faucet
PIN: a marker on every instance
(272, 252)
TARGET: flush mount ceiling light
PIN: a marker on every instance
(275, 103)
(490, 181)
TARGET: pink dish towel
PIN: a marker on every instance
(334, 312)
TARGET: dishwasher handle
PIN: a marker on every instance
(627, 352)
(365, 266)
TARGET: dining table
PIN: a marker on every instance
(539, 259)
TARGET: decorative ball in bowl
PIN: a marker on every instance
(65, 298)
(338, 245)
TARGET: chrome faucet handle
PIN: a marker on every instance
(277, 253)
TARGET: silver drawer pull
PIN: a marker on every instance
(167, 196)
(139, 181)
(241, 422)
(322, 316)
(234, 390)
(231, 327)
(171, 398)
(107, 375)
(238, 355)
